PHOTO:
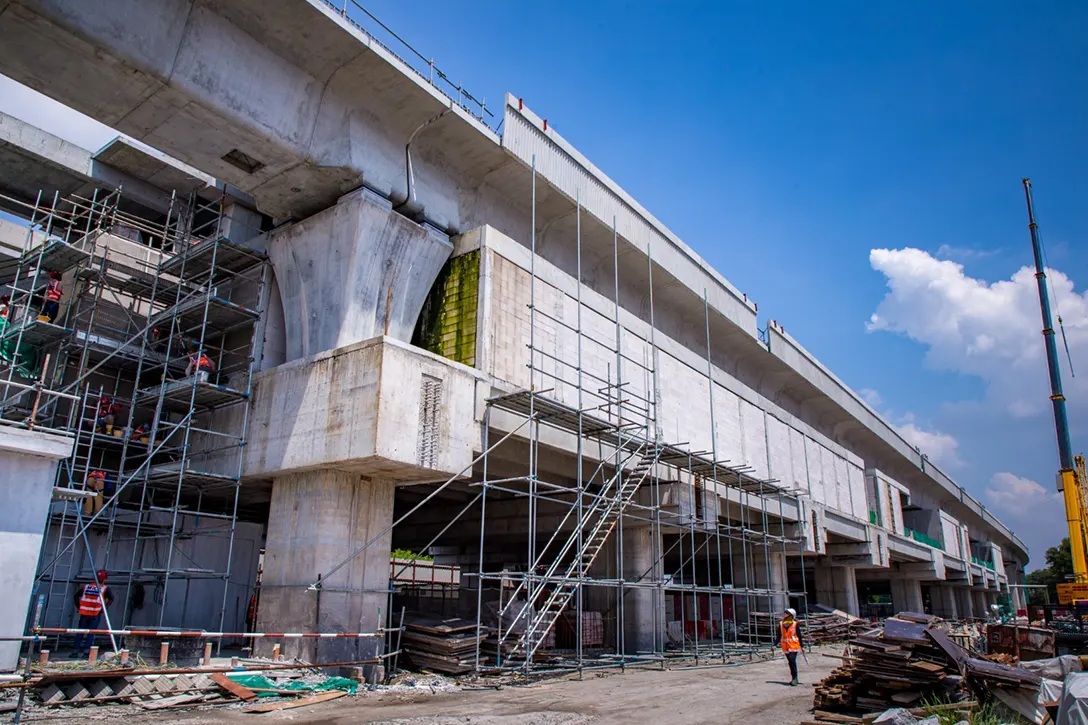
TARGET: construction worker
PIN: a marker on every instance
(5, 305)
(52, 298)
(202, 365)
(91, 599)
(142, 432)
(96, 481)
(108, 409)
(789, 639)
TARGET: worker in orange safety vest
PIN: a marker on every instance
(789, 639)
(52, 297)
(200, 364)
(91, 599)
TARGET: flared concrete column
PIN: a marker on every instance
(906, 595)
(352, 272)
(643, 607)
(944, 601)
(316, 521)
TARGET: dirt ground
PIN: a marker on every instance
(750, 693)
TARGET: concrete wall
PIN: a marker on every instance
(749, 429)
(28, 460)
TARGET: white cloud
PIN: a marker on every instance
(49, 115)
(872, 397)
(941, 448)
(947, 251)
(987, 330)
(1018, 495)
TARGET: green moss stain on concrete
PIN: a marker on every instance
(447, 322)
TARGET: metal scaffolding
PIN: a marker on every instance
(148, 364)
(718, 534)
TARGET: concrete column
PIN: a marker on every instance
(837, 586)
(982, 607)
(769, 572)
(643, 608)
(316, 521)
(944, 601)
(846, 589)
(906, 595)
(965, 603)
(28, 462)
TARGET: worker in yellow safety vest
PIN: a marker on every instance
(91, 599)
(789, 639)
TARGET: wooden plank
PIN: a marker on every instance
(169, 701)
(303, 702)
(242, 693)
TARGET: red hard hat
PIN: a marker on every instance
(54, 274)
(101, 575)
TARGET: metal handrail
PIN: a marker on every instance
(468, 102)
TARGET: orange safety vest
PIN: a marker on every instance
(90, 602)
(788, 637)
(52, 292)
(201, 363)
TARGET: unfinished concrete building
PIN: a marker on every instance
(426, 335)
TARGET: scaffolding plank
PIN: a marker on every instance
(54, 254)
(197, 260)
(177, 395)
(36, 333)
(120, 353)
(525, 402)
(222, 314)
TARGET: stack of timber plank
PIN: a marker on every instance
(445, 645)
(908, 662)
(816, 627)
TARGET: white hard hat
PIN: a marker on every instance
(791, 611)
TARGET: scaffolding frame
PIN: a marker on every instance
(719, 550)
(147, 299)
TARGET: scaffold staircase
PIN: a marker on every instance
(595, 525)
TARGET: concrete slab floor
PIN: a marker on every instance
(749, 694)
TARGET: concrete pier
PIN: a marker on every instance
(837, 586)
(643, 608)
(316, 521)
(907, 595)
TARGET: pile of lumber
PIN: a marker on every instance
(816, 627)
(834, 626)
(911, 660)
(445, 645)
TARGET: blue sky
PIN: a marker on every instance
(786, 141)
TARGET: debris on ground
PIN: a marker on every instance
(911, 661)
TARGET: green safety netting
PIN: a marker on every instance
(260, 682)
(25, 359)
